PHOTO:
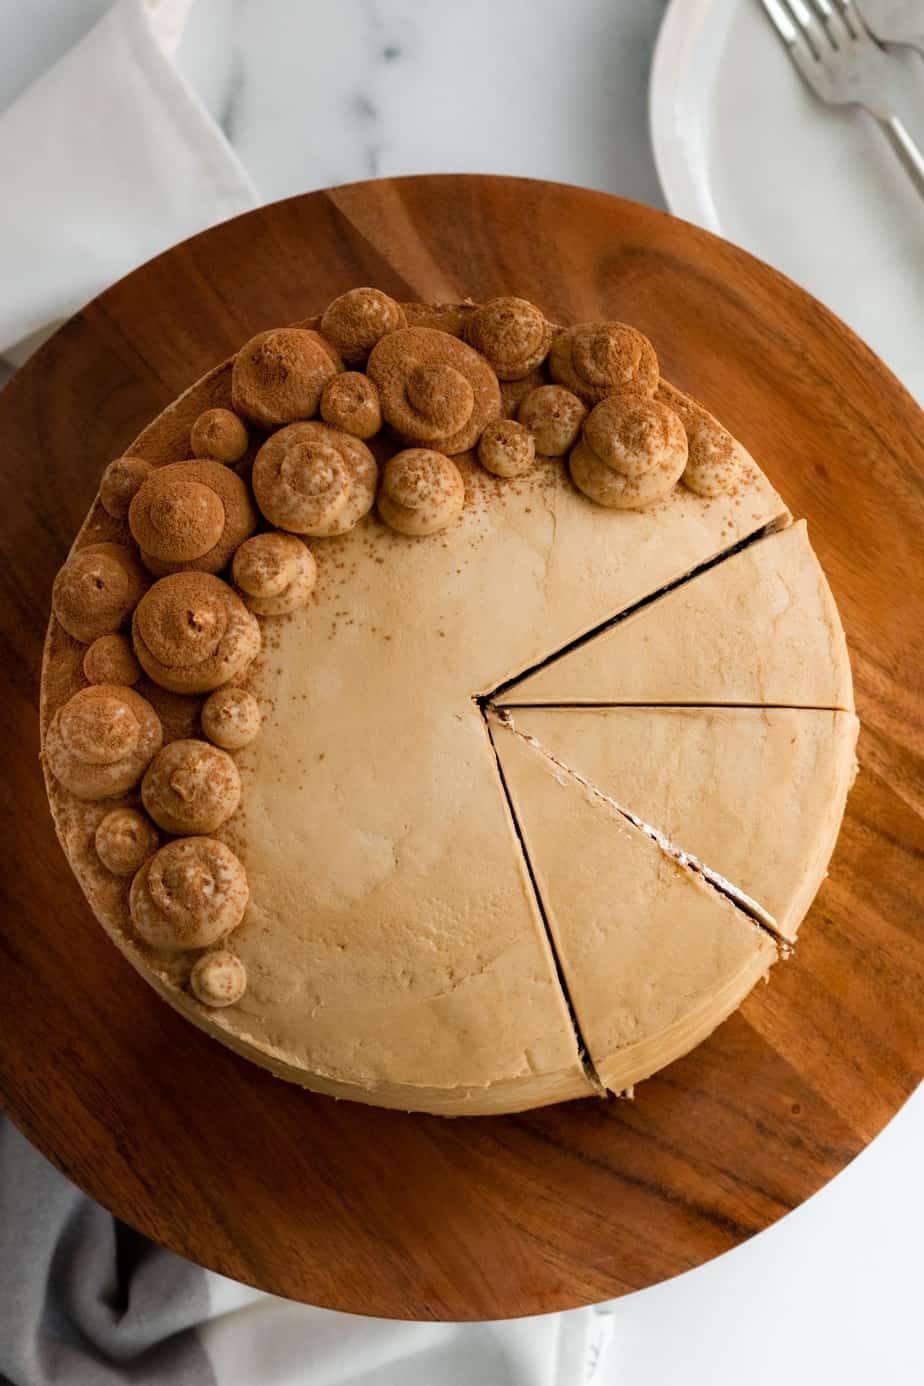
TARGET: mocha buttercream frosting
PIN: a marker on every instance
(321, 700)
(231, 718)
(219, 434)
(633, 452)
(596, 359)
(553, 416)
(101, 740)
(512, 334)
(191, 787)
(191, 515)
(275, 572)
(422, 492)
(358, 319)
(435, 390)
(279, 375)
(97, 590)
(192, 633)
(313, 479)
(190, 894)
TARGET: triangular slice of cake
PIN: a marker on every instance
(758, 627)
(653, 957)
(756, 793)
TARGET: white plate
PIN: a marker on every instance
(745, 150)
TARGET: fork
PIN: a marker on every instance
(895, 21)
(844, 66)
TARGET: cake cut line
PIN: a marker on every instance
(487, 700)
(738, 897)
(590, 1071)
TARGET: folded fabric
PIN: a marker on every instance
(107, 159)
(85, 1301)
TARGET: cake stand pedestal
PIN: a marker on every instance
(413, 1216)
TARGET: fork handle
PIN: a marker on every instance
(910, 156)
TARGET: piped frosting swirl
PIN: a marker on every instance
(506, 448)
(124, 839)
(716, 460)
(422, 492)
(632, 453)
(121, 479)
(192, 633)
(595, 359)
(218, 978)
(231, 718)
(191, 787)
(278, 376)
(276, 573)
(190, 894)
(97, 590)
(191, 515)
(313, 479)
(512, 334)
(351, 402)
(358, 319)
(100, 742)
(434, 389)
(220, 435)
(111, 659)
(553, 416)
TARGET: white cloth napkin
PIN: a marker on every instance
(107, 159)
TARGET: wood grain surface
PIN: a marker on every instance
(420, 1217)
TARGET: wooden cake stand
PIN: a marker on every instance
(422, 1217)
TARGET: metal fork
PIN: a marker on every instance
(845, 66)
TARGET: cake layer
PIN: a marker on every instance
(654, 958)
(760, 627)
(757, 794)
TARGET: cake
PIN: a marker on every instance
(442, 710)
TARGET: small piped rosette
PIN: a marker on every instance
(124, 840)
(554, 417)
(278, 376)
(218, 978)
(357, 320)
(435, 390)
(632, 453)
(192, 633)
(231, 718)
(506, 448)
(100, 742)
(97, 590)
(190, 894)
(275, 573)
(596, 359)
(422, 492)
(313, 479)
(512, 334)
(190, 515)
(220, 435)
(120, 481)
(111, 659)
(191, 787)
(351, 402)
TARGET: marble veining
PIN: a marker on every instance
(312, 95)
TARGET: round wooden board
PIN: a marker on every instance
(421, 1217)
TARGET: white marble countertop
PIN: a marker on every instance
(312, 94)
